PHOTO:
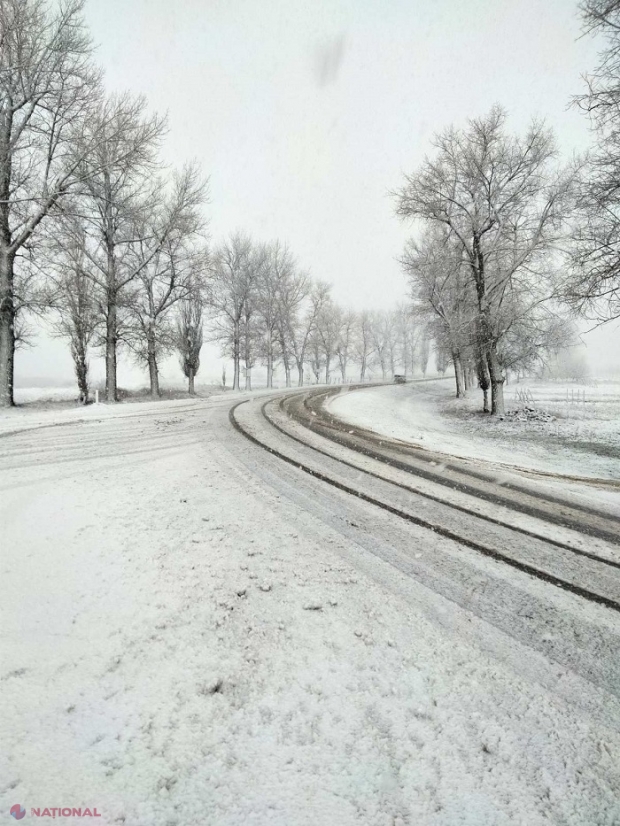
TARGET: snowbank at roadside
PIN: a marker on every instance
(581, 440)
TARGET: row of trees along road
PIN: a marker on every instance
(95, 231)
(92, 226)
(262, 308)
(98, 236)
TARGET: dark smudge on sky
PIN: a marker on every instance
(328, 60)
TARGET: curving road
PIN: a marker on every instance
(527, 533)
(211, 605)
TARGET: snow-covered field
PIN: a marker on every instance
(186, 642)
(48, 396)
(568, 429)
(28, 395)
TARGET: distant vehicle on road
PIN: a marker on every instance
(399, 379)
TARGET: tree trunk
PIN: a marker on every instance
(78, 352)
(111, 391)
(152, 362)
(458, 375)
(190, 380)
(497, 383)
(466, 378)
(471, 377)
(300, 374)
(286, 362)
(484, 381)
(485, 400)
(269, 360)
(236, 354)
(7, 328)
(112, 296)
(247, 355)
(327, 363)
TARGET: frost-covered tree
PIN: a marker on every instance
(362, 345)
(593, 287)
(344, 345)
(232, 286)
(504, 202)
(166, 272)
(302, 334)
(328, 327)
(115, 201)
(436, 270)
(190, 334)
(47, 85)
(293, 291)
(72, 297)
(381, 338)
(275, 274)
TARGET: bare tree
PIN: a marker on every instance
(166, 272)
(437, 273)
(363, 342)
(47, 82)
(425, 349)
(505, 205)
(190, 334)
(117, 196)
(593, 286)
(302, 333)
(380, 333)
(327, 332)
(71, 296)
(344, 345)
(249, 341)
(234, 272)
(316, 355)
(277, 270)
(409, 322)
(293, 291)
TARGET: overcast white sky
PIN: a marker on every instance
(306, 114)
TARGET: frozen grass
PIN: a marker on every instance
(580, 417)
(593, 401)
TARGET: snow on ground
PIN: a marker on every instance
(580, 436)
(28, 395)
(54, 408)
(184, 645)
(45, 412)
(53, 396)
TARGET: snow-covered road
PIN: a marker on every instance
(197, 633)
